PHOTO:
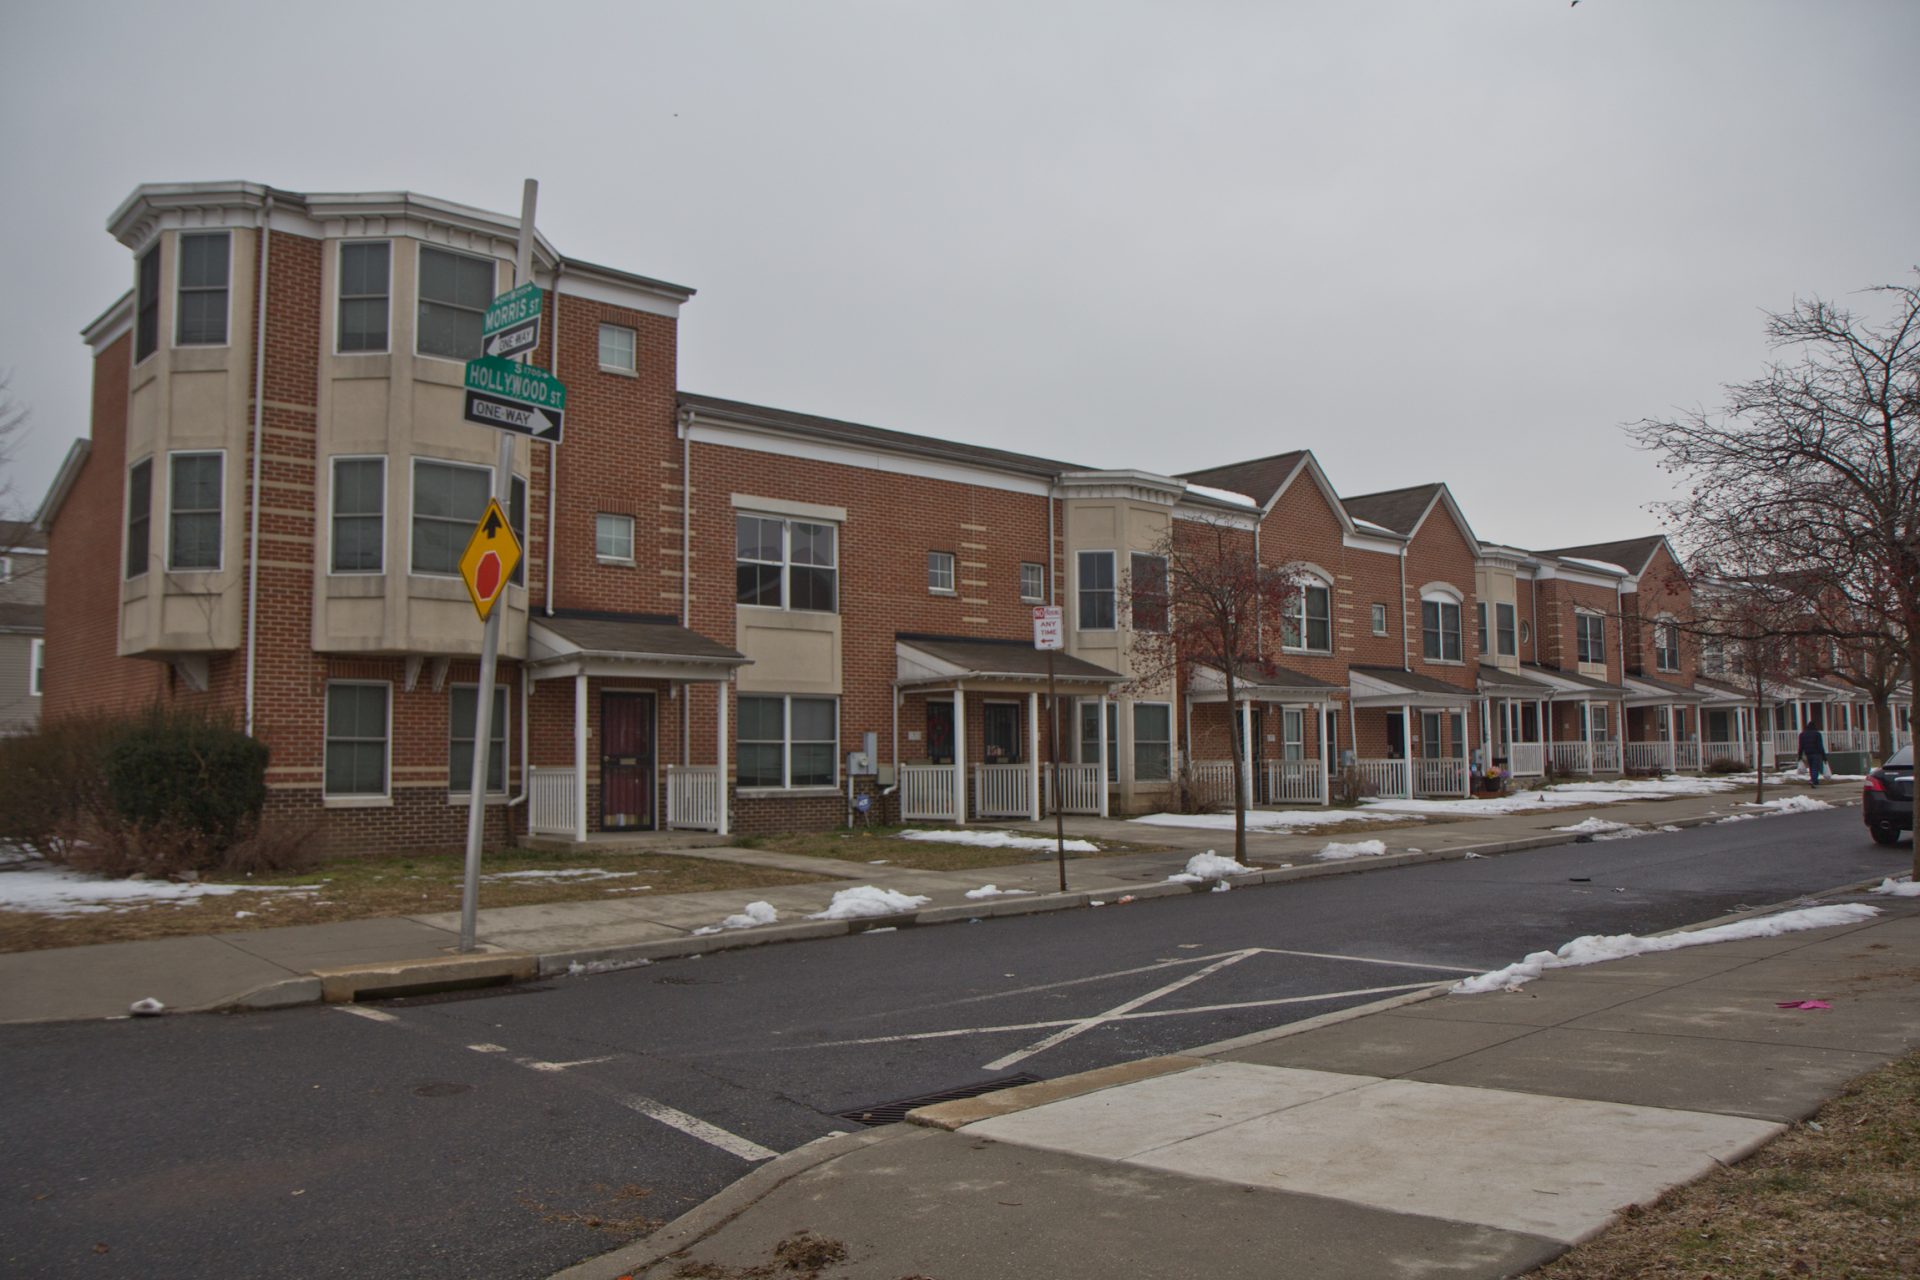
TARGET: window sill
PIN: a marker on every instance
(465, 798)
(942, 591)
(614, 560)
(1443, 662)
(1307, 653)
(792, 793)
(618, 372)
(356, 802)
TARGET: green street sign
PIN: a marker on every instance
(512, 381)
(513, 308)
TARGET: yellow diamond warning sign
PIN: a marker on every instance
(490, 558)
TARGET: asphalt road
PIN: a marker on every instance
(511, 1135)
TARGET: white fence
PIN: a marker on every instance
(551, 797)
(1001, 791)
(1213, 779)
(1650, 757)
(1080, 788)
(1686, 755)
(1296, 782)
(1442, 776)
(1524, 759)
(1713, 752)
(1606, 756)
(693, 797)
(1570, 757)
(1387, 778)
(926, 793)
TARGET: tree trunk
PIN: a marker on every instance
(1235, 737)
(1759, 762)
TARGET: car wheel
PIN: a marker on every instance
(1884, 834)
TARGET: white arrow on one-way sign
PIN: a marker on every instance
(524, 336)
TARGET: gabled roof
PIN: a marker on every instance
(1397, 509)
(1631, 554)
(1258, 478)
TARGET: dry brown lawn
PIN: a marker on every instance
(356, 888)
(1835, 1198)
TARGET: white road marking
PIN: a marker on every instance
(1404, 964)
(1087, 1024)
(562, 1066)
(362, 1011)
(694, 1127)
(488, 1048)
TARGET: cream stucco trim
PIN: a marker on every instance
(784, 507)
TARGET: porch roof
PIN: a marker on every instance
(1647, 691)
(1571, 686)
(646, 646)
(1393, 687)
(940, 661)
(1269, 682)
(1502, 683)
(1726, 694)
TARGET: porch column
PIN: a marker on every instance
(1587, 705)
(1033, 756)
(959, 754)
(1466, 761)
(1246, 751)
(1327, 748)
(580, 759)
(1673, 735)
(720, 753)
(1101, 782)
(1406, 744)
(1545, 709)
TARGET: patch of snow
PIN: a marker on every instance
(1519, 802)
(1208, 866)
(1668, 786)
(1790, 804)
(1594, 948)
(243, 915)
(1358, 523)
(1270, 820)
(57, 891)
(1669, 827)
(1738, 817)
(578, 969)
(1337, 852)
(1899, 888)
(994, 891)
(998, 840)
(577, 873)
(1604, 566)
(1221, 887)
(1601, 829)
(866, 900)
(146, 1008)
(754, 913)
(1224, 495)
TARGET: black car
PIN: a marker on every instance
(1888, 799)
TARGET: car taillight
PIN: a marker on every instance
(1874, 783)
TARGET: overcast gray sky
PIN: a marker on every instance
(1430, 241)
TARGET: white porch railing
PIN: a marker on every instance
(1441, 776)
(1079, 788)
(926, 793)
(1386, 778)
(1650, 757)
(1213, 779)
(1785, 741)
(1570, 757)
(1001, 791)
(693, 797)
(1712, 752)
(550, 802)
(1606, 756)
(1525, 759)
(1686, 756)
(1296, 782)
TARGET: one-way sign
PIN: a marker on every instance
(512, 322)
(515, 397)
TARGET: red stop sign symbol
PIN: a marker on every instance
(486, 575)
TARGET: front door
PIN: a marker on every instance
(626, 761)
(1001, 730)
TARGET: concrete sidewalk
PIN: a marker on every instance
(1432, 1135)
(268, 968)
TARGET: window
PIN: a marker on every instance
(359, 516)
(1000, 732)
(364, 270)
(1503, 630)
(146, 307)
(785, 563)
(1713, 656)
(1152, 741)
(1666, 646)
(462, 710)
(1147, 575)
(448, 500)
(1440, 629)
(193, 510)
(613, 538)
(37, 667)
(201, 317)
(1309, 622)
(1480, 625)
(1379, 619)
(454, 293)
(617, 350)
(139, 517)
(1033, 582)
(356, 736)
(1090, 737)
(1096, 591)
(1526, 632)
(789, 741)
(1591, 637)
(940, 572)
(1292, 733)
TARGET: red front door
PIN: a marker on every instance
(626, 761)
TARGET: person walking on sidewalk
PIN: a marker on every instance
(1813, 749)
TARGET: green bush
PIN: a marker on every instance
(169, 770)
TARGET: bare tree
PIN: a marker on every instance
(1813, 468)
(1216, 606)
(13, 429)
(1752, 623)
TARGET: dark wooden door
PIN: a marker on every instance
(626, 761)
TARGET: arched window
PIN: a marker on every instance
(1309, 624)
(1440, 623)
(1666, 644)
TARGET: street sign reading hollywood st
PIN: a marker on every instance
(512, 322)
(490, 557)
(515, 397)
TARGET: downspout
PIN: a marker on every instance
(526, 770)
(1406, 642)
(1052, 595)
(686, 575)
(259, 418)
(553, 450)
(1533, 586)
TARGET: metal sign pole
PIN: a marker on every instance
(490, 646)
(1059, 809)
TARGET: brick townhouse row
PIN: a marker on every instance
(720, 603)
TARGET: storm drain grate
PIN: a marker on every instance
(880, 1113)
(489, 991)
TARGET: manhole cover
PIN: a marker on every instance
(880, 1113)
(441, 1089)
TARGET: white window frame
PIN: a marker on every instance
(333, 488)
(179, 254)
(152, 254)
(1134, 741)
(349, 799)
(612, 557)
(1038, 592)
(413, 474)
(340, 296)
(632, 367)
(787, 566)
(504, 695)
(220, 542)
(1665, 623)
(1483, 637)
(1445, 598)
(1581, 647)
(1379, 619)
(126, 522)
(1293, 733)
(939, 564)
(1296, 619)
(419, 298)
(1112, 591)
(787, 744)
(1509, 647)
(36, 667)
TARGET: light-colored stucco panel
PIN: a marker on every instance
(791, 651)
